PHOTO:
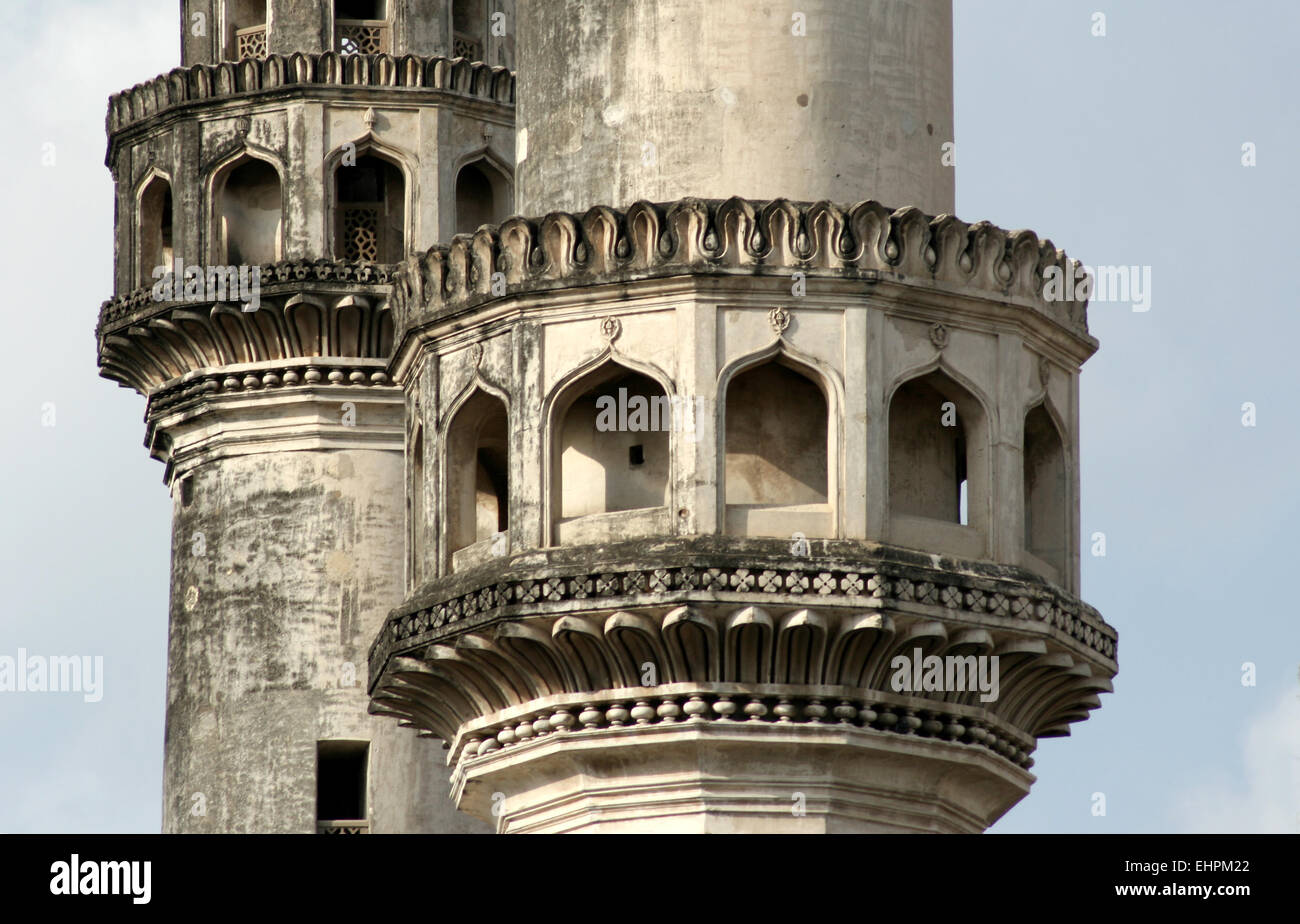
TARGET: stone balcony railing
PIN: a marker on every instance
(362, 37)
(250, 42)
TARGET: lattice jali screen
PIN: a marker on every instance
(361, 233)
(362, 38)
(251, 43)
(462, 46)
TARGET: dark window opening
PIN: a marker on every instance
(370, 224)
(341, 780)
(165, 229)
(636, 455)
(492, 466)
(476, 200)
(250, 209)
(358, 9)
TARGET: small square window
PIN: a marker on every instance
(636, 455)
(341, 780)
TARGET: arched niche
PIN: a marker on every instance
(155, 244)
(1047, 494)
(477, 490)
(610, 445)
(248, 205)
(777, 451)
(483, 196)
(369, 209)
(468, 29)
(939, 466)
(361, 27)
(246, 22)
(416, 511)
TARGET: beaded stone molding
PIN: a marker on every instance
(318, 371)
(689, 704)
(308, 309)
(866, 241)
(432, 621)
(444, 688)
(202, 82)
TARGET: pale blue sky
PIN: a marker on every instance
(1123, 150)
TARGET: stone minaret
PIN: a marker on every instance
(703, 449)
(309, 145)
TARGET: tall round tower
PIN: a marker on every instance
(265, 193)
(734, 512)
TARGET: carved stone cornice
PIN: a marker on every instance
(308, 309)
(277, 73)
(468, 651)
(866, 242)
(757, 572)
(251, 408)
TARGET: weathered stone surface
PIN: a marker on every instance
(826, 99)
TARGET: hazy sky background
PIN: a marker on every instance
(1123, 149)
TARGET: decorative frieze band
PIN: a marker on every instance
(317, 371)
(601, 712)
(510, 596)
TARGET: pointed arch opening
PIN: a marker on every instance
(477, 502)
(1046, 495)
(776, 469)
(610, 451)
(369, 210)
(416, 512)
(249, 208)
(938, 466)
(483, 196)
(155, 244)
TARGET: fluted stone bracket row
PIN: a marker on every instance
(320, 308)
(205, 82)
(458, 659)
(781, 667)
(866, 242)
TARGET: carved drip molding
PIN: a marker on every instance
(201, 82)
(865, 242)
(308, 310)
